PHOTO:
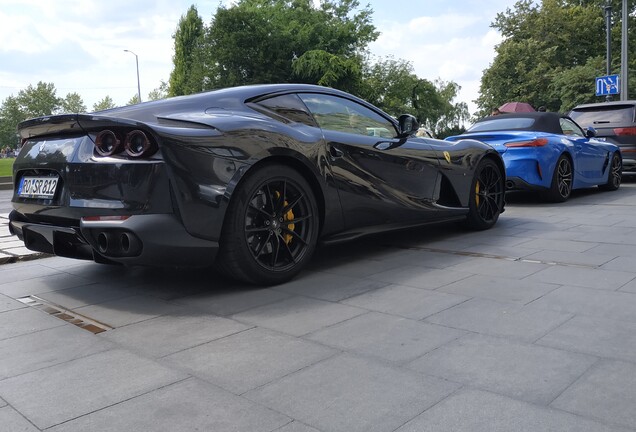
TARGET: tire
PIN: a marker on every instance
(486, 196)
(561, 186)
(615, 174)
(271, 227)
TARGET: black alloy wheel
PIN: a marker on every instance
(561, 187)
(487, 196)
(271, 229)
(615, 174)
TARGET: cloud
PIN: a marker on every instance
(452, 47)
(79, 45)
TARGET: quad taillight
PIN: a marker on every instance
(135, 143)
(107, 143)
(539, 142)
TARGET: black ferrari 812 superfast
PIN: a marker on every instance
(249, 179)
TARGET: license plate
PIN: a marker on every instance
(37, 187)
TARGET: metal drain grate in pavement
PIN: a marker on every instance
(65, 314)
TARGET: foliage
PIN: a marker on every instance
(72, 103)
(551, 53)
(393, 86)
(104, 104)
(188, 76)
(37, 101)
(133, 100)
(10, 115)
(259, 41)
(160, 92)
(322, 68)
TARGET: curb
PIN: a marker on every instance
(6, 183)
(20, 258)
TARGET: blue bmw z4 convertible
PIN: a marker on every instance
(549, 153)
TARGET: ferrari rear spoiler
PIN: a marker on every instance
(70, 124)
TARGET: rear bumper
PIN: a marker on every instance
(519, 184)
(155, 239)
(629, 165)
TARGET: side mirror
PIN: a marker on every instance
(408, 125)
(590, 132)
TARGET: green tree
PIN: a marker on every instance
(323, 68)
(133, 100)
(451, 116)
(188, 73)
(39, 101)
(73, 103)
(257, 41)
(10, 115)
(160, 92)
(104, 104)
(551, 52)
(393, 86)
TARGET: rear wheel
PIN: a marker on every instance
(561, 186)
(486, 197)
(271, 227)
(615, 174)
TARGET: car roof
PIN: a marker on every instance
(605, 104)
(543, 121)
(230, 98)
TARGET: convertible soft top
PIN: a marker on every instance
(532, 121)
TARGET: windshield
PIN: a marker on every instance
(600, 115)
(502, 124)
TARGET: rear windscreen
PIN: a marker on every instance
(601, 115)
(502, 124)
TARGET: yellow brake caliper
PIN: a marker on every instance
(287, 217)
(477, 194)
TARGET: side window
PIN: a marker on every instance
(570, 128)
(290, 107)
(343, 115)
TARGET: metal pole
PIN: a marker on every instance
(624, 71)
(138, 83)
(608, 28)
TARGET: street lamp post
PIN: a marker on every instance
(138, 84)
(624, 68)
(608, 43)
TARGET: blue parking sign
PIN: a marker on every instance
(607, 85)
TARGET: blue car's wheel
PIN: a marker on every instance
(486, 196)
(615, 174)
(561, 187)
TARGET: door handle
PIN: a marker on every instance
(335, 152)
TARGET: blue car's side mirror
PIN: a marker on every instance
(590, 132)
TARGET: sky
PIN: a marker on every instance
(78, 45)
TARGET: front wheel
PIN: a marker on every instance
(561, 186)
(486, 196)
(271, 227)
(615, 174)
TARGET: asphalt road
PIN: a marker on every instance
(529, 326)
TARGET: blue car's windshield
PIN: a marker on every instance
(502, 124)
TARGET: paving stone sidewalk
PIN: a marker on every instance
(529, 326)
(11, 248)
